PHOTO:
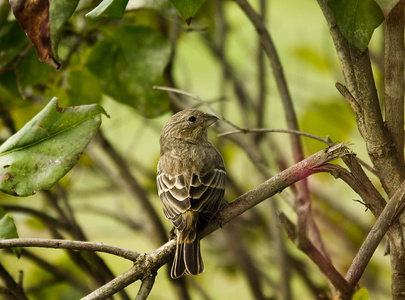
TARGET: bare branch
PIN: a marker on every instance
(71, 245)
(146, 264)
(327, 141)
(374, 237)
(349, 97)
(360, 83)
(145, 288)
(277, 183)
(394, 79)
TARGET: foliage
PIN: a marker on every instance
(357, 20)
(47, 147)
(117, 56)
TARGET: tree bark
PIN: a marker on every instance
(394, 117)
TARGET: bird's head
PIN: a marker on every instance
(188, 125)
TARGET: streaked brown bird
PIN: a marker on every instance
(191, 184)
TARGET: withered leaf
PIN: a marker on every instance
(33, 16)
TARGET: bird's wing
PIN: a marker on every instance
(174, 196)
(202, 195)
(206, 193)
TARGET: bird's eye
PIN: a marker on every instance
(192, 119)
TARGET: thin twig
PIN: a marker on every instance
(199, 99)
(327, 141)
(70, 245)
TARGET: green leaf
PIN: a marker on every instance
(127, 71)
(357, 20)
(47, 147)
(361, 294)
(108, 9)
(187, 8)
(60, 12)
(8, 230)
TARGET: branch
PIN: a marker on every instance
(394, 79)
(271, 52)
(374, 237)
(145, 288)
(327, 141)
(145, 265)
(70, 245)
(277, 183)
(324, 264)
(358, 75)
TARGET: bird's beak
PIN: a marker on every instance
(209, 120)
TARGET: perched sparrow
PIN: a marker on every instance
(191, 184)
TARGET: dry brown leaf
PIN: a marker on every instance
(33, 16)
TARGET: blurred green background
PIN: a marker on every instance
(94, 189)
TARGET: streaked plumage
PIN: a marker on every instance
(191, 184)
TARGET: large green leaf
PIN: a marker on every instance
(128, 64)
(47, 147)
(108, 9)
(8, 229)
(357, 20)
(187, 8)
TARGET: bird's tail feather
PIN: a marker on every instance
(188, 258)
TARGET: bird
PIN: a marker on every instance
(191, 184)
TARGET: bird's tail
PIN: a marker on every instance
(188, 258)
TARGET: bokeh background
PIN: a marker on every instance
(213, 57)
